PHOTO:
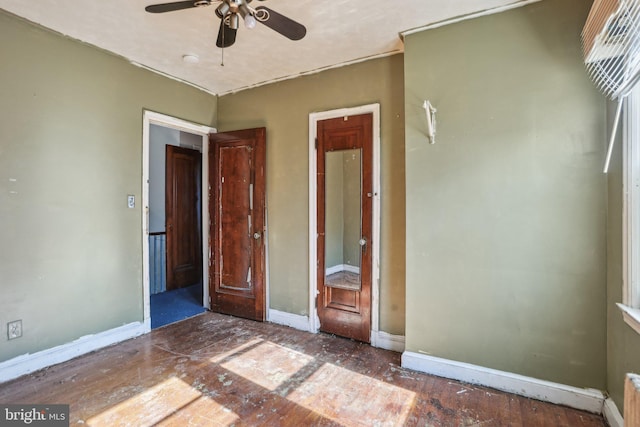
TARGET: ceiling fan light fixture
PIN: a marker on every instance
(249, 19)
(222, 10)
(234, 21)
(250, 22)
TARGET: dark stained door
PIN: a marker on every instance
(344, 271)
(237, 212)
(182, 222)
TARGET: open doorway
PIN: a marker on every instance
(175, 225)
(174, 213)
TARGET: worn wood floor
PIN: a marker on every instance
(216, 370)
(344, 280)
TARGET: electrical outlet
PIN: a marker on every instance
(131, 201)
(14, 329)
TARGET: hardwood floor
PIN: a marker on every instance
(344, 280)
(216, 370)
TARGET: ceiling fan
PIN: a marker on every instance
(229, 11)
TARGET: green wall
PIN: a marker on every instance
(506, 213)
(623, 343)
(70, 153)
(284, 109)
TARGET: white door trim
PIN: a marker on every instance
(374, 109)
(150, 117)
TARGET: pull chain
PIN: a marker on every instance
(223, 31)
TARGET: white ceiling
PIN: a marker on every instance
(338, 32)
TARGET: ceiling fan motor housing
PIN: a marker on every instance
(229, 7)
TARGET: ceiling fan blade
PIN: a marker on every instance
(170, 7)
(226, 35)
(280, 23)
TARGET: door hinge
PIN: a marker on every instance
(316, 143)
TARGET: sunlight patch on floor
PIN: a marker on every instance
(326, 391)
(203, 412)
(168, 403)
(268, 365)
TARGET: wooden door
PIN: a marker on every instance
(345, 161)
(182, 221)
(237, 212)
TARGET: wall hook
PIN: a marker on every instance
(430, 112)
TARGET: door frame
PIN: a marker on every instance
(314, 118)
(149, 118)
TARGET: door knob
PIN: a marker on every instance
(362, 241)
(256, 235)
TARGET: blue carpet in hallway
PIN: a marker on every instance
(179, 304)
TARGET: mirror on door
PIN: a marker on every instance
(343, 238)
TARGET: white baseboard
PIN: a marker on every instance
(27, 363)
(387, 341)
(351, 268)
(333, 269)
(611, 413)
(590, 400)
(295, 321)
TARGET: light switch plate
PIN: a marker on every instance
(131, 201)
(14, 329)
